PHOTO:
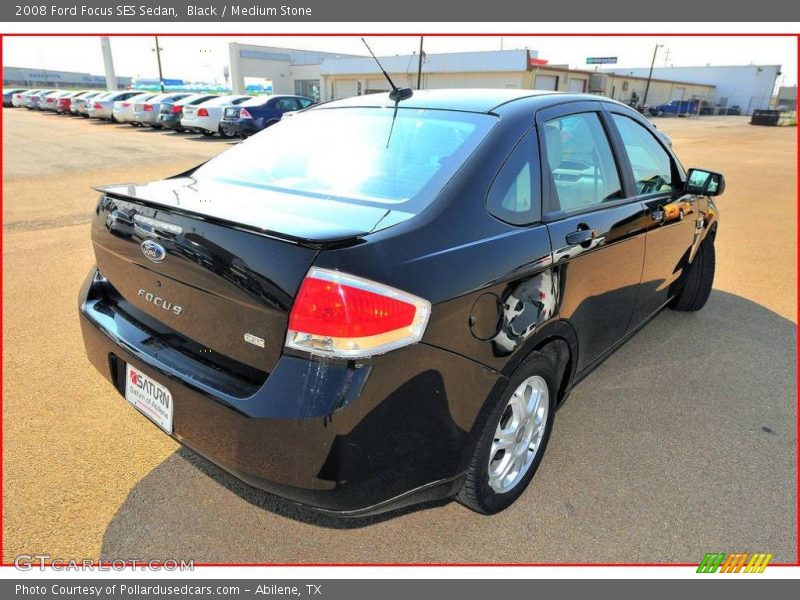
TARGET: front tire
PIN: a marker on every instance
(699, 279)
(514, 439)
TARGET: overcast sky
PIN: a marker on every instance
(203, 58)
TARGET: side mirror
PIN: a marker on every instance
(704, 183)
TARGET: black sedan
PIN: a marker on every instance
(383, 300)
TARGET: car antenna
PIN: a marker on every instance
(397, 94)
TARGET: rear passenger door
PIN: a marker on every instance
(597, 229)
(673, 225)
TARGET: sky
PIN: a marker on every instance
(203, 58)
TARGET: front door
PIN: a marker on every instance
(597, 232)
(673, 224)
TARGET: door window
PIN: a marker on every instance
(651, 164)
(581, 162)
(286, 104)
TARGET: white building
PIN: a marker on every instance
(344, 77)
(750, 87)
(284, 70)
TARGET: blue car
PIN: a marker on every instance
(674, 107)
(259, 113)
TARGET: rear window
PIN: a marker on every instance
(223, 100)
(191, 100)
(364, 155)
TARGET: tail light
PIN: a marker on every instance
(147, 108)
(64, 101)
(202, 112)
(126, 104)
(245, 114)
(340, 315)
(176, 109)
(98, 106)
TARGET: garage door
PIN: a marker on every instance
(577, 85)
(546, 82)
(345, 89)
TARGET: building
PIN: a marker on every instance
(787, 96)
(344, 77)
(279, 70)
(519, 69)
(625, 88)
(750, 87)
(45, 78)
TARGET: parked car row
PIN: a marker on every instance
(228, 115)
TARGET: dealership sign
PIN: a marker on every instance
(602, 60)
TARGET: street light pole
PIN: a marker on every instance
(419, 67)
(650, 74)
(158, 58)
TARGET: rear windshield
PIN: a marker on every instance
(192, 100)
(222, 100)
(364, 155)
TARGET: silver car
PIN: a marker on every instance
(123, 109)
(18, 99)
(146, 112)
(80, 105)
(32, 101)
(101, 108)
(50, 101)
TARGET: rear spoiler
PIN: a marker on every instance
(115, 191)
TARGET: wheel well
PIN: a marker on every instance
(558, 351)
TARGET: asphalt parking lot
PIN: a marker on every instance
(683, 442)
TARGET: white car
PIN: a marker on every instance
(204, 118)
(101, 107)
(123, 109)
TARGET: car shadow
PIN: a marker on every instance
(682, 371)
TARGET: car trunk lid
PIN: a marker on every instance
(203, 270)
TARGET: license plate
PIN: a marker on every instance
(149, 397)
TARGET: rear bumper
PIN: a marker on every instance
(170, 121)
(241, 126)
(199, 124)
(148, 117)
(341, 438)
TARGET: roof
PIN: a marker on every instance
(612, 73)
(467, 100)
(453, 62)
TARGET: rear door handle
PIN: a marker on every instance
(581, 236)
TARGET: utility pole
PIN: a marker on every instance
(158, 58)
(650, 74)
(419, 67)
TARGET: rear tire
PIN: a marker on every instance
(226, 133)
(489, 487)
(698, 279)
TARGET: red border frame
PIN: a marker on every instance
(428, 34)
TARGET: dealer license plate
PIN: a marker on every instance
(149, 397)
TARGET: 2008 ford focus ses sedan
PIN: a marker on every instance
(383, 301)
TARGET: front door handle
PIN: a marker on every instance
(581, 237)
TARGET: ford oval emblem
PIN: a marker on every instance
(153, 251)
